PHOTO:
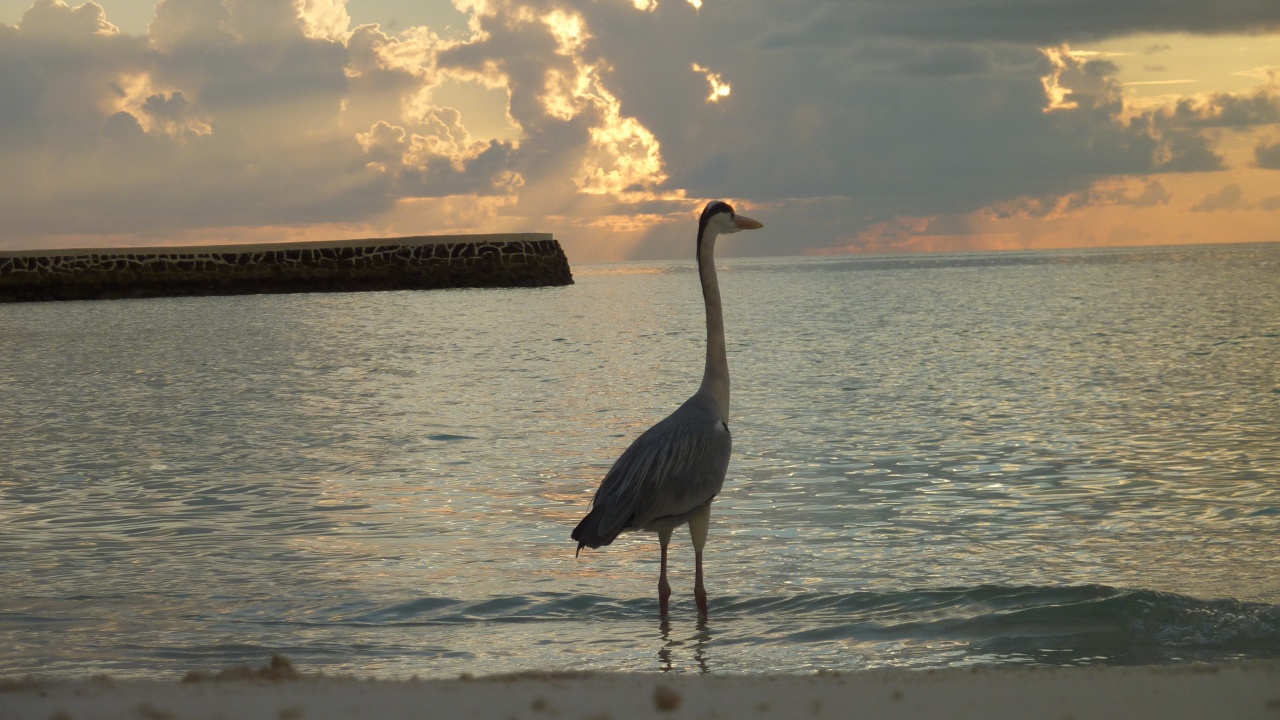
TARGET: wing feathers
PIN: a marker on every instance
(672, 468)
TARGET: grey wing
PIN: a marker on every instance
(672, 468)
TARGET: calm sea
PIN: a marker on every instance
(1055, 458)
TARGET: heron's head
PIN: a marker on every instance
(718, 216)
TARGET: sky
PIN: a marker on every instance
(846, 126)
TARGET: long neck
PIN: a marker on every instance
(715, 377)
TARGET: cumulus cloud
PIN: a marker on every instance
(856, 124)
(250, 112)
(1230, 197)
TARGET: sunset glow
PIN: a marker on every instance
(859, 127)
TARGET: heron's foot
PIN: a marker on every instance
(700, 594)
(664, 596)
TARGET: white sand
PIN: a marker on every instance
(1228, 691)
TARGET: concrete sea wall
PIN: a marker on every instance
(428, 262)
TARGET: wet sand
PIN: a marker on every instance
(1240, 691)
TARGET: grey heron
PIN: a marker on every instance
(670, 474)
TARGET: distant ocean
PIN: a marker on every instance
(1053, 458)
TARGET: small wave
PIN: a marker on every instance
(1051, 625)
(542, 607)
(1139, 625)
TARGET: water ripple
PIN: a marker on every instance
(938, 460)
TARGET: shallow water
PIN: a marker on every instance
(1063, 458)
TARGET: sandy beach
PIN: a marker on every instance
(1240, 691)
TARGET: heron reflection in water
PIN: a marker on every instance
(670, 474)
(699, 640)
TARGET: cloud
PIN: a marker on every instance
(229, 118)
(1153, 193)
(934, 143)
(248, 112)
(1223, 110)
(948, 60)
(1116, 193)
(1041, 22)
(1230, 197)
(1268, 155)
(719, 88)
(854, 125)
(50, 19)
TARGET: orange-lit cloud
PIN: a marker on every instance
(854, 127)
(719, 88)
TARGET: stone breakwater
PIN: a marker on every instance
(414, 263)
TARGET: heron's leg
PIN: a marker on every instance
(664, 588)
(699, 522)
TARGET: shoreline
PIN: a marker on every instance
(1243, 690)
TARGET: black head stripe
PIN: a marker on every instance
(712, 208)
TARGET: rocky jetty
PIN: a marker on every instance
(410, 263)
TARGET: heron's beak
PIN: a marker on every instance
(745, 223)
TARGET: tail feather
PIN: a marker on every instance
(589, 534)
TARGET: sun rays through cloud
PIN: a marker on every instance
(859, 127)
